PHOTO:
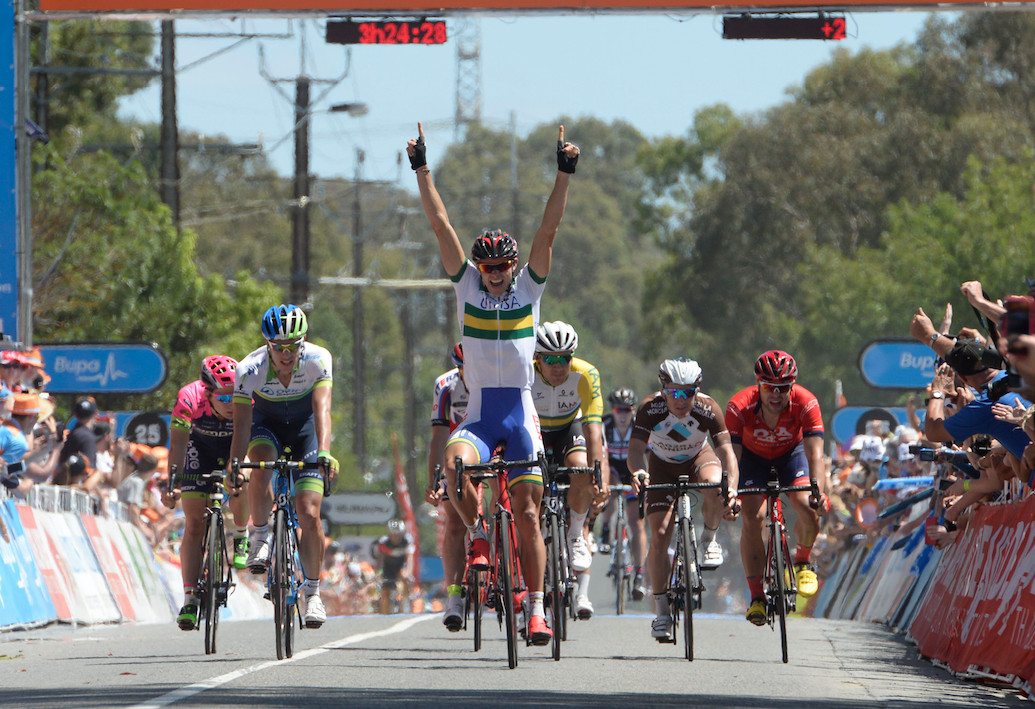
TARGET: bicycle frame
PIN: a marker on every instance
(620, 569)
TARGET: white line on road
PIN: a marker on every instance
(199, 687)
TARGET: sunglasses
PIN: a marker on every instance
(778, 388)
(495, 267)
(622, 410)
(556, 359)
(286, 347)
(682, 393)
(224, 398)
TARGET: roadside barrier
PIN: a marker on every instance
(969, 608)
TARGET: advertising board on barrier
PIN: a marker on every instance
(24, 599)
(358, 508)
(104, 367)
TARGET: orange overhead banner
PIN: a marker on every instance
(431, 7)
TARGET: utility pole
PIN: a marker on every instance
(300, 216)
(359, 443)
(43, 80)
(468, 38)
(170, 130)
(410, 394)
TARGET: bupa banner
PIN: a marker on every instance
(104, 367)
(850, 421)
(897, 364)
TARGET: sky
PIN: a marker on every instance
(652, 71)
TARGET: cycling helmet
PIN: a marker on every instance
(457, 354)
(622, 396)
(217, 372)
(494, 245)
(556, 336)
(680, 372)
(776, 367)
(396, 526)
(284, 322)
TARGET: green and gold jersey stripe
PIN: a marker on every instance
(498, 324)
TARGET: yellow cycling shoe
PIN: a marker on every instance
(756, 612)
(808, 583)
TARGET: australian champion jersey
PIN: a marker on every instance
(257, 383)
(449, 404)
(498, 334)
(672, 439)
(558, 406)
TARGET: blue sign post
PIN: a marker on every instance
(8, 175)
(897, 364)
(104, 367)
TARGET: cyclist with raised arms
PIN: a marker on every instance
(777, 423)
(498, 310)
(199, 443)
(567, 398)
(282, 401)
(448, 408)
(618, 426)
(676, 422)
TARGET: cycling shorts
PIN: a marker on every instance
(664, 473)
(198, 461)
(792, 466)
(561, 443)
(296, 440)
(620, 472)
(503, 416)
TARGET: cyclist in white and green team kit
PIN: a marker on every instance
(498, 309)
(282, 400)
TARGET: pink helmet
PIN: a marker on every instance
(776, 367)
(217, 372)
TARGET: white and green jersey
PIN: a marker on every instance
(257, 383)
(498, 334)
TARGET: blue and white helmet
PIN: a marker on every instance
(284, 322)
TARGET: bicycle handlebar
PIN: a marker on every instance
(575, 470)
(773, 491)
(274, 465)
(492, 469)
(684, 485)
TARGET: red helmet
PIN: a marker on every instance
(494, 245)
(457, 355)
(776, 367)
(217, 372)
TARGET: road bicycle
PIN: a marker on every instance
(285, 577)
(561, 581)
(685, 585)
(781, 588)
(503, 582)
(215, 581)
(620, 569)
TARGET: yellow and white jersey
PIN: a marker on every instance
(558, 406)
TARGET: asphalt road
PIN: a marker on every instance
(411, 660)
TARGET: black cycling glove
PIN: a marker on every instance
(564, 163)
(420, 154)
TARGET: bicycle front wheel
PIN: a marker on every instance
(474, 589)
(505, 589)
(689, 579)
(778, 541)
(281, 586)
(554, 582)
(213, 572)
(618, 565)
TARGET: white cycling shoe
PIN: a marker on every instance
(661, 628)
(581, 559)
(712, 556)
(258, 555)
(583, 608)
(315, 613)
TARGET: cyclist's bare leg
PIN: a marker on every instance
(807, 527)
(453, 546)
(466, 508)
(190, 545)
(260, 494)
(524, 502)
(752, 548)
(581, 490)
(637, 532)
(310, 543)
(661, 524)
(239, 504)
(711, 502)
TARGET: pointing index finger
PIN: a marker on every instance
(420, 129)
(560, 135)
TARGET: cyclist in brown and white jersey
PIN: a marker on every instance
(677, 422)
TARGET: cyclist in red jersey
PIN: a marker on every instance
(777, 423)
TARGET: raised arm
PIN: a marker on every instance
(453, 256)
(542, 246)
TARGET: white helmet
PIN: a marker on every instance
(680, 372)
(556, 336)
